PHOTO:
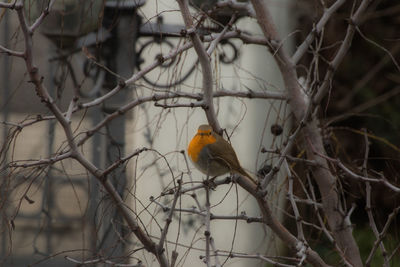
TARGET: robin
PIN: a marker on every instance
(212, 154)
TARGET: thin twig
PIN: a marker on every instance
(300, 233)
(300, 102)
(8, 5)
(267, 259)
(169, 218)
(239, 6)
(193, 195)
(212, 243)
(42, 16)
(368, 206)
(388, 53)
(207, 232)
(322, 224)
(242, 216)
(101, 260)
(289, 144)
(328, 13)
(118, 163)
(217, 40)
(396, 251)
(56, 158)
(45, 97)
(382, 235)
(11, 52)
(342, 51)
(351, 174)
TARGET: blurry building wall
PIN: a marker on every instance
(172, 130)
(168, 132)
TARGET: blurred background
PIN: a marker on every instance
(85, 47)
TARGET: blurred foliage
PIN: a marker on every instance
(365, 239)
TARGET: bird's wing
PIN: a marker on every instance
(224, 153)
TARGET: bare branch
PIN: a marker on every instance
(180, 105)
(212, 243)
(169, 218)
(8, 5)
(388, 53)
(194, 195)
(239, 6)
(11, 52)
(300, 233)
(378, 242)
(215, 42)
(289, 144)
(119, 162)
(40, 19)
(251, 94)
(242, 216)
(49, 161)
(100, 260)
(291, 241)
(270, 260)
(207, 219)
(328, 13)
(299, 103)
(75, 153)
(351, 174)
(205, 66)
(333, 65)
(368, 207)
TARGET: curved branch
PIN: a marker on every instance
(8, 5)
(205, 66)
(316, 31)
(333, 65)
(332, 206)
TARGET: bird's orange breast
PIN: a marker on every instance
(198, 142)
